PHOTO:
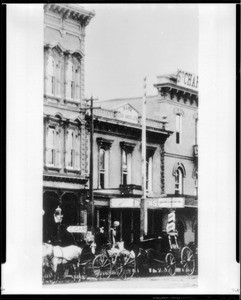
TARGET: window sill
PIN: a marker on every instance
(74, 101)
(53, 167)
(54, 97)
(72, 170)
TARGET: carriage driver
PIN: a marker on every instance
(115, 234)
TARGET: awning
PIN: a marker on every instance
(154, 203)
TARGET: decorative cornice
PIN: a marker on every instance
(71, 11)
(128, 147)
(68, 179)
(104, 143)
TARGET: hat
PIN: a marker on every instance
(116, 223)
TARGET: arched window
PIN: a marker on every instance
(179, 181)
(178, 128)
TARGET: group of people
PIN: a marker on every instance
(101, 239)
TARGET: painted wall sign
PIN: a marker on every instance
(154, 203)
(125, 203)
(101, 203)
(77, 229)
(127, 113)
(187, 80)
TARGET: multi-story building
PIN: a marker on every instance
(65, 171)
(117, 157)
(172, 163)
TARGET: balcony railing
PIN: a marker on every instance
(195, 151)
(130, 189)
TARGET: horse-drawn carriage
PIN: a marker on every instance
(79, 263)
(164, 254)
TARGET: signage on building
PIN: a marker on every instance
(101, 203)
(125, 203)
(187, 80)
(127, 113)
(77, 229)
(154, 203)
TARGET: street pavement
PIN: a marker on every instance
(134, 285)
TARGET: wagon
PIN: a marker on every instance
(163, 254)
(154, 254)
(110, 261)
(184, 256)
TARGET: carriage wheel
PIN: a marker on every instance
(85, 270)
(187, 260)
(47, 274)
(125, 264)
(170, 264)
(101, 266)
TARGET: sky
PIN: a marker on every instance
(126, 42)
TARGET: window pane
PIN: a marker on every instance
(102, 159)
(124, 161)
(70, 152)
(124, 179)
(50, 146)
(177, 137)
(102, 180)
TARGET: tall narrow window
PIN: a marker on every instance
(70, 149)
(77, 85)
(196, 131)
(70, 85)
(103, 162)
(149, 172)
(196, 183)
(50, 146)
(58, 149)
(58, 79)
(102, 168)
(50, 89)
(124, 167)
(126, 162)
(178, 129)
(179, 182)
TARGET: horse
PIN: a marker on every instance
(60, 257)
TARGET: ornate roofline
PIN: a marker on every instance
(71, 11)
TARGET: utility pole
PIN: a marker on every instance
(91, 166)
(143, 160)
(91, 191)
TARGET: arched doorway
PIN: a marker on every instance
(181, 230)
(70, 209)
(50, 203)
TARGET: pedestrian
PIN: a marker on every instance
(100, 238)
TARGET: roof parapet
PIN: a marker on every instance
(72, 11)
